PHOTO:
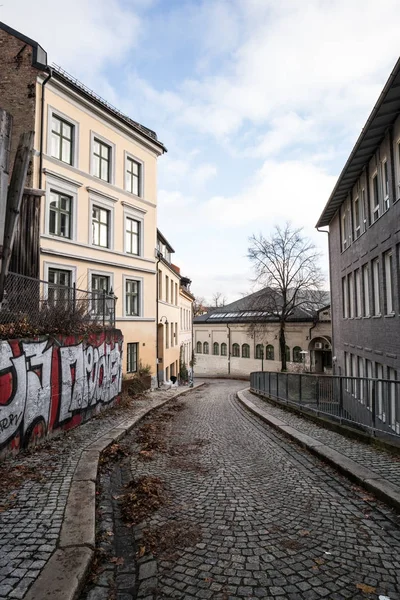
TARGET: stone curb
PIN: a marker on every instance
(373, 482)
(64, 573)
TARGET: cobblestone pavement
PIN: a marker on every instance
(380, 461)
(31, 513)
(272, 520)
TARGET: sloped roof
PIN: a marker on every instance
(254, 308)
(382, 116)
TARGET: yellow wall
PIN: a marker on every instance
(78, 253)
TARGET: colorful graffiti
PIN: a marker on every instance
(55, 383)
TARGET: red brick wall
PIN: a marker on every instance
(18, 88)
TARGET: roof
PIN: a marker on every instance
(382, 116)
(253, 308)
(39, 56)
(71, 81)
(164, 241)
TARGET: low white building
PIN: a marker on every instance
(185, 338)
(234, 340)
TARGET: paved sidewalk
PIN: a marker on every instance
(376, 469)
(34, 493)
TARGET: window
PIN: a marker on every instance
(388, 264)
(101, 160)
(172, 292)
(223, 349)
(297, 356)
(166, 288)
(350, 282)
(172, 336)
(100, 227)
(132, 357)
(385, 185)
(375, 286)
(398, 170)
(132, 236)
(245, 351)
(235, 350)
(167, 335)
(100, 287)
(133, 175)
(393, 404)
(361, 382)
(160, 285)
(205, 348)
(60, 215)
(356, 217)
(132, 297)
(379, 391)
(59, 288)
(344, 229)
(216, 349)
(364, 209)
(358, 307)
(270, 352)
(375, 199)
(345, 298)
(198, 348)
(259, 351)
(61, 139)
(365, 277)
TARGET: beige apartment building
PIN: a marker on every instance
(186, 300)
(98, 222)
(168, 285)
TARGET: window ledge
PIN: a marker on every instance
(367, 317)
(389, 315)
(376, 316)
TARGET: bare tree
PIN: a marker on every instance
(218, 300)
(286, 265)
(199, 307)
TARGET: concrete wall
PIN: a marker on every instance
(54, 383)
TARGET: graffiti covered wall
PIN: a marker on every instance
(54, 383)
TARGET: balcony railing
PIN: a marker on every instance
(372, 405)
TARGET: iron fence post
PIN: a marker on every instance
(104, 308)
(317, 392)
(287, 388)
(277, 385)
(73, 297)
(300, 397)
(340, 396)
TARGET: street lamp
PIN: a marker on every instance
(166, 320)
(262, 358)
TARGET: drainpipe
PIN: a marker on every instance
(229, 349)
(157, 291)
(42, 127)
(330, 284)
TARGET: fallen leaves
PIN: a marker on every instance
(113, 453)
(367, 589)
(117, 560)
(145, 496)
(173, 535)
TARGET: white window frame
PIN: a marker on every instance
(137, 356)
(140, 281)
(375, 204)
(351, 303)
(398, 169)
(357, 228)
(365, 271)
(103, 140)
(364, 209)
(130, 213)
(141, 172)
(75, 136)
(345, 298)
(388, 273)
(357, 285)
(107, 205)
(375, 286)
(67, 187)
(60, 266)
(385, 185)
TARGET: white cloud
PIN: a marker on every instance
(83, 36)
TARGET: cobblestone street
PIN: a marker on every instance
(258, 516)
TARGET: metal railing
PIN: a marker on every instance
(43, 307)
(372, 405)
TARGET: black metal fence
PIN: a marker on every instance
(372, 405)
(46, 307)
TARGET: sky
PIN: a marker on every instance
(258, 102)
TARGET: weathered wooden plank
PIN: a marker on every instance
(5, 147)
(14, 197)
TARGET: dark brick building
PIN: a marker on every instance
(363, 215)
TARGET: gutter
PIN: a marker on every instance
(42, 127)
(157, 345)
(229, 349)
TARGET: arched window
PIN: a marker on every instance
(287, 352)
(223, 349)
(269, 352)
(235, 350)
(205, 348)
(259, 351)
(296, 354)
(216, 349)
(198, 347)
(245, 351)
